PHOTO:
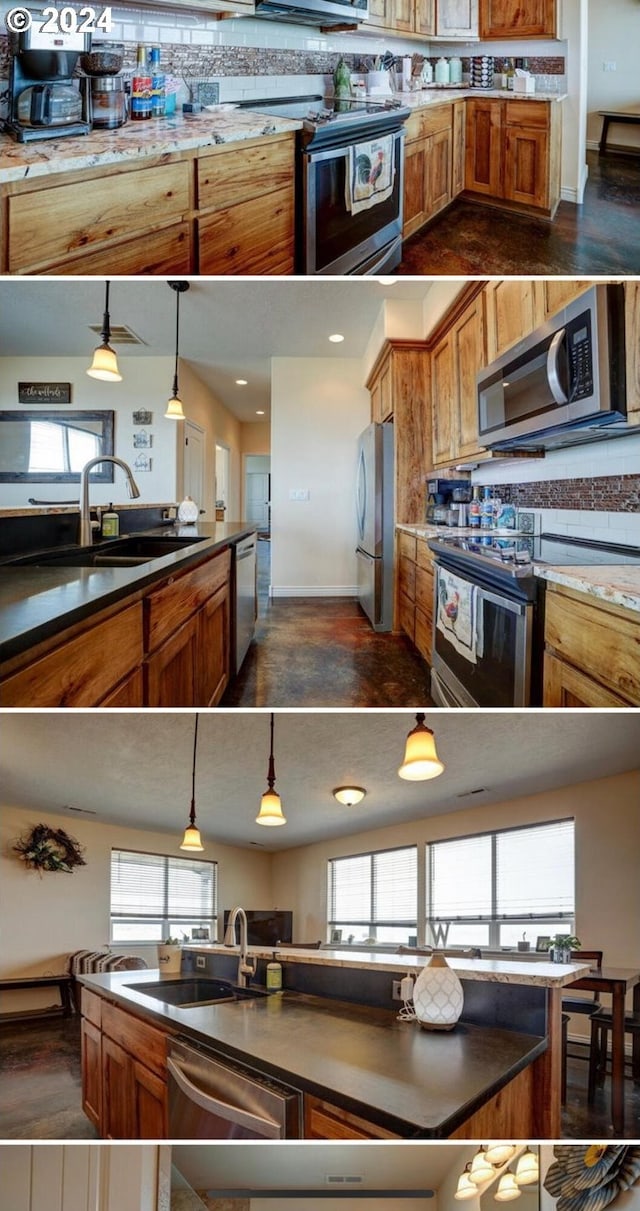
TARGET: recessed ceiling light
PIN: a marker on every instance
(241, 382)
(259, 412)
(336, 338)
(387, 281)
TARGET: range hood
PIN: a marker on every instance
(314, 12)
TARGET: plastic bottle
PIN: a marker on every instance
(274, 975)
(157, 84)
(110, 523)
(141, 89)
(475, 509)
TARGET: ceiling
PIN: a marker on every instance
(228, 329)
(306, 1166)
(135, 768)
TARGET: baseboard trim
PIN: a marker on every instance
(576, 194)
(341, 590)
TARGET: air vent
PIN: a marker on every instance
(339, 1179)
(479, 790)
(84, 811)
(120, 335)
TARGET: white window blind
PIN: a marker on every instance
(490, 888)
(154, 896)
(374, 895)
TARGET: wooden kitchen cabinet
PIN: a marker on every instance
(91, 1050)
(123, 1074)
(457, 19)
(483, 143)
(407, 365)
(599, 646)
(443, 396)
(415, 586)
(428, 166)
(172, 671)
(425, 17)
(149, 1110)
(458, 148)
(455, 362)
(380, 14)
(116, 1092)
(213, 646)
(324, 1121)
(381, 391)
(513, 151)
(552, 294)
(501, 19)
(402, 15)
(510, 314)
(128, 693)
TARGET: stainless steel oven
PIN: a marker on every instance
(211, 1097)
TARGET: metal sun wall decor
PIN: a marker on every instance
(588, 1179)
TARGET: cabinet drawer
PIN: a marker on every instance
(322, 1121)
(437, 119)
(423, 638)
(534, 114)
(181, 596)
(91, 1006)
(136, 1037)
(77, 673)
(424, 590)
(164, 251)
(407, 615)
(603, 644)
(77, 216)
(252, 238)
(245, 173)
(425, 556)
(407, 578)
(407, 545)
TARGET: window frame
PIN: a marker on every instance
(494, 921)
(372, 924)
(165, 920)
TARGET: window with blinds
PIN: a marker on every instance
(154, 897)
(374, 896)
(491, 889)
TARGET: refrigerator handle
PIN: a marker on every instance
(361, 492)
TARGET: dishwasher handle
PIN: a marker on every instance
(245, 552)
(233, 1114)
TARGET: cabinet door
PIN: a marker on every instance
(116, 1095)
(518, 18)
(148, 1103)
(510, 314)
(322, 1121)
(457, 149)
(457, 19)
(425, 16)
(171, 671)
(402, 12)
(438, 167)
(565, 686)
(444, 396)
(415, 186)
(380, 14)
(470, 358)
(553, 294)
(129, 693)
(254, 237)
(483, 153)
(213, 648)
(526, 166)
(91, 1047)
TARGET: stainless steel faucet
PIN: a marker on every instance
(244, 967)
(86, 534)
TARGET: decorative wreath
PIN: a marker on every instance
(50, 849)
(588, 1179)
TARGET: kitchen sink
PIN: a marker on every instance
(123, 552)
(191, 992)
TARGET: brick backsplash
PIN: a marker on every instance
(611, 494)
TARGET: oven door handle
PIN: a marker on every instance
(553, 375)
(214, 1105)
(505, 603)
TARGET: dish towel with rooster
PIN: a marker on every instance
(370, 173)
(456, 613)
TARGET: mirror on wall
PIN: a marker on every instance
(53, 446)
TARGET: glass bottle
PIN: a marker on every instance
(141, 89)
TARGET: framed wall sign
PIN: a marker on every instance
(44, 393)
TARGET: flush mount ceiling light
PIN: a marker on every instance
(499, 1153)
(387, 281)
(481, 1168)
(105, 363)
(527, 1169)
(241, 382)
(175, 410)
(507, 1188)
(270, 806)
(421, 760)
(336, 338)
(191, 840)
(259, 411)
(349, 795)
(465, 1188)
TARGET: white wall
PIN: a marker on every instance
(80, 1177)
(220, 427)
(614, 36)
(42, 920)
(146, 383)
(318, 409)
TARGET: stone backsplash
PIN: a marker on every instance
(610, 494)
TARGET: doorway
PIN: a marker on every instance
(193, 465)
(257, 492)
(222, 481)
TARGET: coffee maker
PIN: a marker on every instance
(45, 102)
(441, 494)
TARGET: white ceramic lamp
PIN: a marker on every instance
(437, 995)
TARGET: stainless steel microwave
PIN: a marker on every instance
(563, 384)
(314, 12)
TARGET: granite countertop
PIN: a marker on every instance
(412, 1082)
(495, 971)
(134, 141)
(617, 584)
(444, 96)
(37, 602)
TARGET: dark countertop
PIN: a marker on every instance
(38, 602)
(412, 1082)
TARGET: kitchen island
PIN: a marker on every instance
(332, 1035)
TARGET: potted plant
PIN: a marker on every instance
(561, 946)
(170, 955)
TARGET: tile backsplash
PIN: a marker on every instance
(603, 493)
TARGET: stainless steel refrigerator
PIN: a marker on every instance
(374, 511)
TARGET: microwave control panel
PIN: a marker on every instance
(580, 356)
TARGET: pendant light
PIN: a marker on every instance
(105, 362)
(420, 757)
(507, 1188)
(175, 410)
(191, 840)
(527, 1168)
(349, 795)
(465, 1188)
(270, 806)
(499, 1153)
(481, 1169)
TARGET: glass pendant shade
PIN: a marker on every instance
(507, 1189)
(421, 760)
(191, 839)
(174, 410)
(270, 810)
(465, 1188)
(499, 1153)
(349, 795)
(105, 365)
(527, 1170)
(481, 1169)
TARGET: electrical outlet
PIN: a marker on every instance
(396, 995)
(201, 962)
(609, 65)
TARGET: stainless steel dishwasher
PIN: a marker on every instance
(212, 1098)
(245, 596)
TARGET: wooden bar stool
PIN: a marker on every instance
(601, 1024)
